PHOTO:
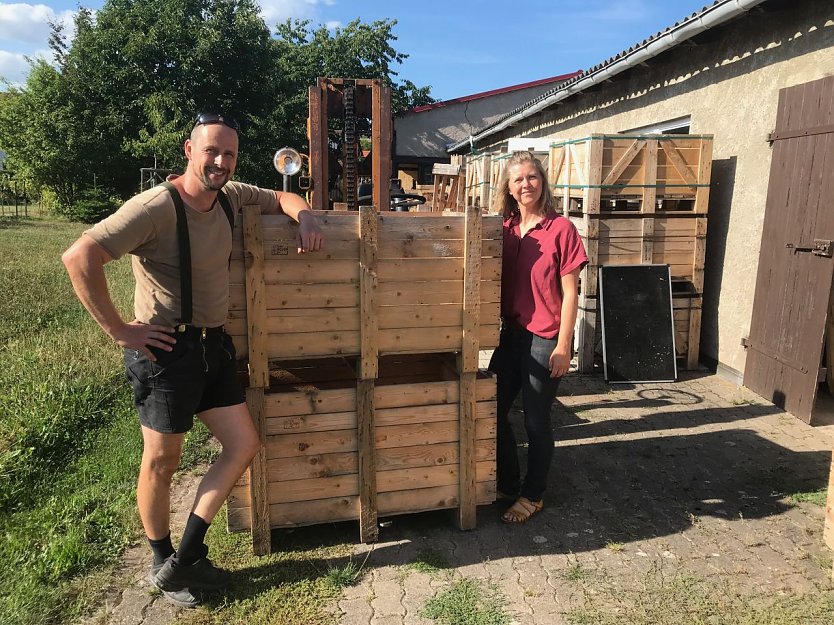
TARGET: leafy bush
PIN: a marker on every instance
(93, 205)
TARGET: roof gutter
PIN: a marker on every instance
(706, 19)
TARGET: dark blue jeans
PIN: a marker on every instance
(522, 363)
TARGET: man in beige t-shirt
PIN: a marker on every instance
(182, 367)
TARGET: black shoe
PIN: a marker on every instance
(202, 574)
(182, 598)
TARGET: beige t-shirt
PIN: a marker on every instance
(146, 227)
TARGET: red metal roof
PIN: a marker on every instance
(486, 94)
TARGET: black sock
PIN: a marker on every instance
(191, 546)
(161, 548)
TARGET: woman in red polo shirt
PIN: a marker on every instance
(542, 257)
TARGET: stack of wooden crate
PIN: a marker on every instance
(638, 200)
(483, 172)
(363, 372)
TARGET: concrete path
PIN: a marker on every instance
(687, 478)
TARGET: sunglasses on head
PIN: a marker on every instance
(205, 119)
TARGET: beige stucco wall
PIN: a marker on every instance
(730, 88)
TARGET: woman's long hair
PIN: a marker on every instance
(504, 203)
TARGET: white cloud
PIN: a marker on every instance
(14, 68)
(29, 23)
(276, 11)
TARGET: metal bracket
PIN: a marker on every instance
(822, 247)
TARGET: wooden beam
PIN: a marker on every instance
(648, 205)
(625, 160)
(368, 287)
(255, 297)
(486, 189)
(381, 135)
(589, 276)
(468, 498)
(366, 449)
(258, 474)
(317, 137)
(258, 373)
(676, 159)
(471, 289)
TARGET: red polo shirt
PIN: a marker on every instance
(532, 267)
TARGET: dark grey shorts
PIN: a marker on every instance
(197, 375)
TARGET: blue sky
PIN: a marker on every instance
(459, 47)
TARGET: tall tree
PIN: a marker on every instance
(124, 92)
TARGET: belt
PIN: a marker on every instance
(511, 323)
(190, 330)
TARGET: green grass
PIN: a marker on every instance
(467, 602)
(658, 598)
(70, 447)
(68, 438)
(429, 561)
(293, 586)
(575, 572)
(816, 497)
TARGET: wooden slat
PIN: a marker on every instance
(368, 301)
(299, 296)
(313, 512)
(258, 490)
(430, 269)
(587, 316)
(672, 153)
(305, 467)
(625, 160)
(347, 343)
(648, 205)
(436, 498)
(311, 402)
(306, 490)
(440, 475)
(294, 320)
(366, 434)
(381, 141)
(471, 291)
(255, 298)
(317, 136)
(308, 271)
(446, 292)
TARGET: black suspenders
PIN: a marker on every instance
(185, 246)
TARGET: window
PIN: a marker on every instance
(677, 126)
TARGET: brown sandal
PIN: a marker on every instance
(521, 510)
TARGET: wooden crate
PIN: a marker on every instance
(635, 199)
(313, 300)
(674, 240)
(312, 461)
(483, 172)
(643, 167)
(388, 288)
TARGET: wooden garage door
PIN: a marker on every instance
(795, 265)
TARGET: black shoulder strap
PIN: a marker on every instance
(227, 208)
(185, 253)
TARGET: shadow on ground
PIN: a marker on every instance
(616, 480)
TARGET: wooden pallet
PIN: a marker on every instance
(388, 286)
(312, 461)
